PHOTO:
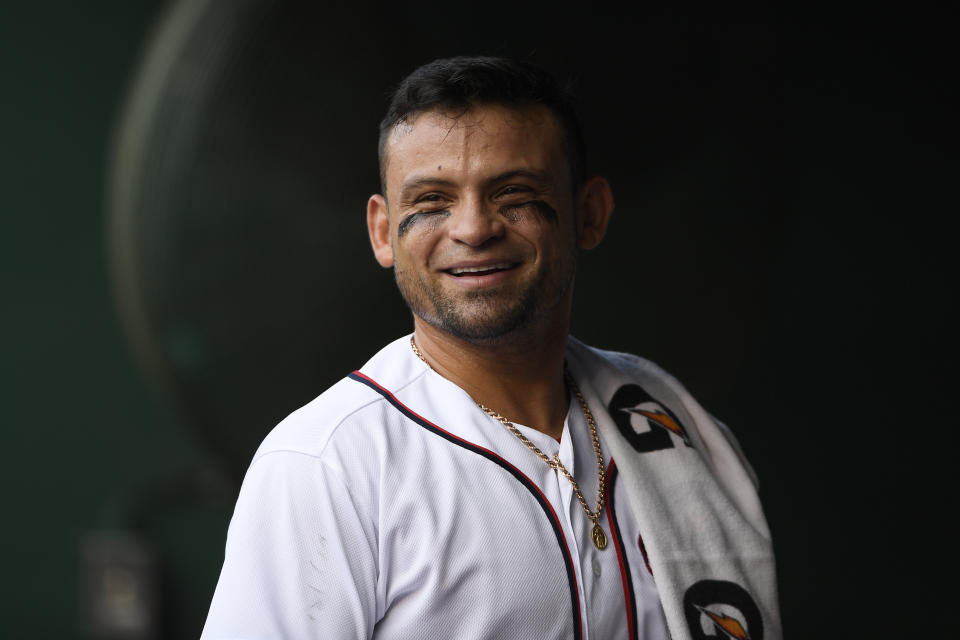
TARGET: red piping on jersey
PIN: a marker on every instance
(490, 455)
(643, 551)
(629, 601)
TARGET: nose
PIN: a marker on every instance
(474, 222)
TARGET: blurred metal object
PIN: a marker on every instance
(235, 216)
(120, 586)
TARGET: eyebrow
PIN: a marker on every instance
(417, 183)
(537, 176)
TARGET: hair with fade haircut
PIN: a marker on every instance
(463, 82)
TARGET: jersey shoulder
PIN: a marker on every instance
(347, 404)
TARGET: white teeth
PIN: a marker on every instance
(461, 270)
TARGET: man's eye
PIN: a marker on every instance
(512, 189)
(430, 208)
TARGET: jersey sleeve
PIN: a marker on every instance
(300, 559)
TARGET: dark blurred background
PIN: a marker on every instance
(184, 261)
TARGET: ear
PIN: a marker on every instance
(378, 226)
(595, 205)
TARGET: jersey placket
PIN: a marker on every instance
(601, 606)
(598, 571)
(602, 583)
(574, 517)
(560, 494)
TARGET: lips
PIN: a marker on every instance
(474, 275)
(480, 269)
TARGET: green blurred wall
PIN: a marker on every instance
(72, 404)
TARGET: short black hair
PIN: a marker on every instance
(464, 82)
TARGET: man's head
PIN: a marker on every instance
(455, 85)
(483, 210)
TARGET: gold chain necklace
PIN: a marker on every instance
(598, 535)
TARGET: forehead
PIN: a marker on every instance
(479, 142)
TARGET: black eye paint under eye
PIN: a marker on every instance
(418, 216)
(545, 210)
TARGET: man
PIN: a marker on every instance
(489, 476)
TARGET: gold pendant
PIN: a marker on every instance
(599, 537)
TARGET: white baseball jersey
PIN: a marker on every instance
(393, 507)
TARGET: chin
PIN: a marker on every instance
(482, 328)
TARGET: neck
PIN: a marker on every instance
(520, 378)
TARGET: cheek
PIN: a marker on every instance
(549, 238)
(529, 227)
(418, 235)
(414, 248)
(420, 224)
(535, 211)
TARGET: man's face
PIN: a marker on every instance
(481, 220)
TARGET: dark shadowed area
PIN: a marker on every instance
(184, 262)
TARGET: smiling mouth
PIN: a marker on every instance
(460, 272)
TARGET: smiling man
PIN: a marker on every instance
(489, 476)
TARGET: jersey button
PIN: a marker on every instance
(596, 568)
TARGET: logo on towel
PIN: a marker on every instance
(644, 422)
(720, 609)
